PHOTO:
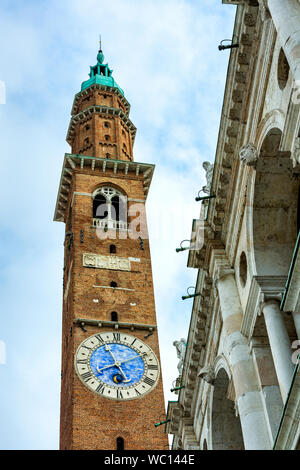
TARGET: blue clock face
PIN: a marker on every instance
(117, 366)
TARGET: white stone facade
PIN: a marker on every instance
(240, 378)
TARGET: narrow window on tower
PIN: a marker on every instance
(114, 316)
(106, 124)
(120, 443)
(107, 137)
(107, 155)
(113, 249)
(113, 284)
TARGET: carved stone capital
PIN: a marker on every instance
(264, 10)
(270, 300)
(221, 272)
(208, 374)
(249, 154)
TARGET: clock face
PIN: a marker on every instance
(117, 366)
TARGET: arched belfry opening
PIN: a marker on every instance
(226, 426)
(275, 208)
(110, 204)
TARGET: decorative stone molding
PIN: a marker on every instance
(249, 154)
(90, 260)
(295, 154)
(208, 374)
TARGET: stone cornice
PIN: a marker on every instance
(94, 87)
(232, 125)
(73, 162)
(197, 339)
(104, 110)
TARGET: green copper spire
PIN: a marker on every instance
(101, 74)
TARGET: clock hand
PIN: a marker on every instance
(117, 364)
(107, 348)
(130, 359)
(135, 357)
(103, 368)
(125, 378)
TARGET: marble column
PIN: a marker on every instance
(286, 17)
(280, 345)
(248, 394)
(296, 317)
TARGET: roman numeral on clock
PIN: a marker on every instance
(149, 381)
(99, 338)
(119, 394)
(100, 388)
(152, 366)
(117, 336)
(86, 376)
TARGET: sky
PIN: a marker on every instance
(164, 55)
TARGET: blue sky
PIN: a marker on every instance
(165, 56)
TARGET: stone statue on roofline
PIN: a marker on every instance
(180, 349)
(209, 168)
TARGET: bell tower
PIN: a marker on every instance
(111, 387)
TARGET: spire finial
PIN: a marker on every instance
(100, 56)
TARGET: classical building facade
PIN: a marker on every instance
(111, 389)
(240, 382)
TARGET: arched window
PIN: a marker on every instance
(114, 316)
(120, 443)
(113, 284)
(107, 137)
(113, 249)
(106, 124)
(110, 204)
(100, 207)
(107, 155)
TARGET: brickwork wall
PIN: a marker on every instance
(89, 421)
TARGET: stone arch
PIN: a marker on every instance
(273, 119)
(274, 207)
(226, 431)
(109, 203)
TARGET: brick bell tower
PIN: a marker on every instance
(111, 389)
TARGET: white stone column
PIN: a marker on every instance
(286, 17)
(280, 345)
(296, 317)
(248, 394)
